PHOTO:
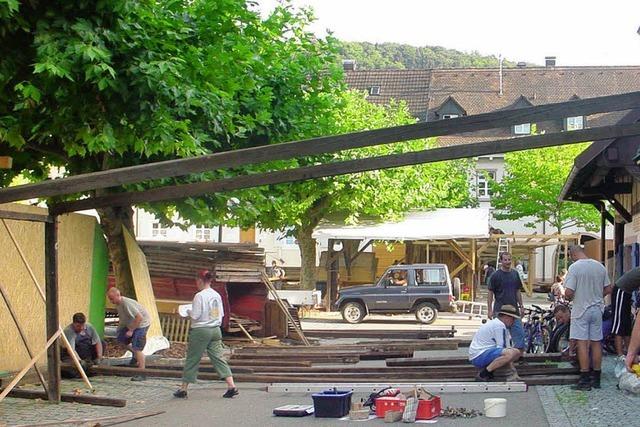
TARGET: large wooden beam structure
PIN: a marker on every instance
(322, 145)
(346, 167)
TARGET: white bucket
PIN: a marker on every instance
(495, 408)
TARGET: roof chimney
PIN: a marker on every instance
(349, 64)
(550, 61)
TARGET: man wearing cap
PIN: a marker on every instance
(489, 348)
(586, 284)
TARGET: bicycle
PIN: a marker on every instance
(537, 326)
(560, 342)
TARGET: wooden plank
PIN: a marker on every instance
(23, 337)
(347, 167)
(321, 145)
(52, 307)
(374, 333)
(24, 216)
(90, 399)
(452, 361)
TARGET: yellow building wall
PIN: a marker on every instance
(386, 256)
(248, 235)
(75, 251)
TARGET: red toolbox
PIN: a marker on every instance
(427, 409)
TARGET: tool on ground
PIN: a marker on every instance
(293, 410)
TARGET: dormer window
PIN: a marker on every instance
(450, 109)
(374, 90)
(574, 123)
(449, 116)
(522, 129)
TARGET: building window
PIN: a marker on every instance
(374, 90)
(523, 129)
(157, 230)
(204, 234)
(483, 182)
(449, 116)
(575, 123)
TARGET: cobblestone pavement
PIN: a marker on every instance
(607, 406)
(140, 397)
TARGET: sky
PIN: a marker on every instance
(576, 32)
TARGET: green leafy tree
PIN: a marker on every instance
(370, 56)
(531, 186)
(299, 207)
(90, 86)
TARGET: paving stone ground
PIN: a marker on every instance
(607, 406)
(140, 397)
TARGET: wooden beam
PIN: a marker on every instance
(619, 207)
(343, 168)
(89, 399)
(23, 216)
(51, 304)
(321, 145)
(23, 337)
(457, 269)
(458, 250)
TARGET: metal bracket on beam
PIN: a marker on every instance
(437, 388)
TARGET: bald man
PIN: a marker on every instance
(132, 330)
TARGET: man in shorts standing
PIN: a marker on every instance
(587, 283)
(621, 302)
(489, 349)
(505, 288)
(132, 330)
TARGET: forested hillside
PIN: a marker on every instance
(370, 56)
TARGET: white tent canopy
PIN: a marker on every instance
(431, 225)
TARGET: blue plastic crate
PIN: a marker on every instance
(332, 403)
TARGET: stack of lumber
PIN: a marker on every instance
(538, 370)
(233, 262)
(422, 334)
(249, 325)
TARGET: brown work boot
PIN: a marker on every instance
(595, 379)
(584, 383)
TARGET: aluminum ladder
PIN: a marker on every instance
(503, 246)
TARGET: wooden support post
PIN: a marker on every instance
(566, 257)
(603, 235)
(331, 289)
(23, 337)
(52, 313)
(474, 269)
(532, 272)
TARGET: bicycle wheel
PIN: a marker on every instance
(559, 339)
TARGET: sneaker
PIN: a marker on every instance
(584, 383)
(484, 376)
(231, 392)
(139, 378)
(595, 379)
(182, 394)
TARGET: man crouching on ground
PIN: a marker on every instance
(489, 347)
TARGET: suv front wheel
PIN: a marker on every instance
(426, 313)
(353, 312)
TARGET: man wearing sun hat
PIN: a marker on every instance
(489, 348)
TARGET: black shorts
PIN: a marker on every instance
(622, 318)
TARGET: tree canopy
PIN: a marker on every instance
(532, 183)
(394, 56)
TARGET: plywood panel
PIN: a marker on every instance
(387, 256)
(142, 282)
(76, 237)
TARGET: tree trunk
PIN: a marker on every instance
(307, 246)
(112, 220)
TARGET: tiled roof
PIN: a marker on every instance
(478, 90)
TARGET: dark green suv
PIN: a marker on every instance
(423, 289)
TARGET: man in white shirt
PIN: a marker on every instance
(586, 284)
(489, 349)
